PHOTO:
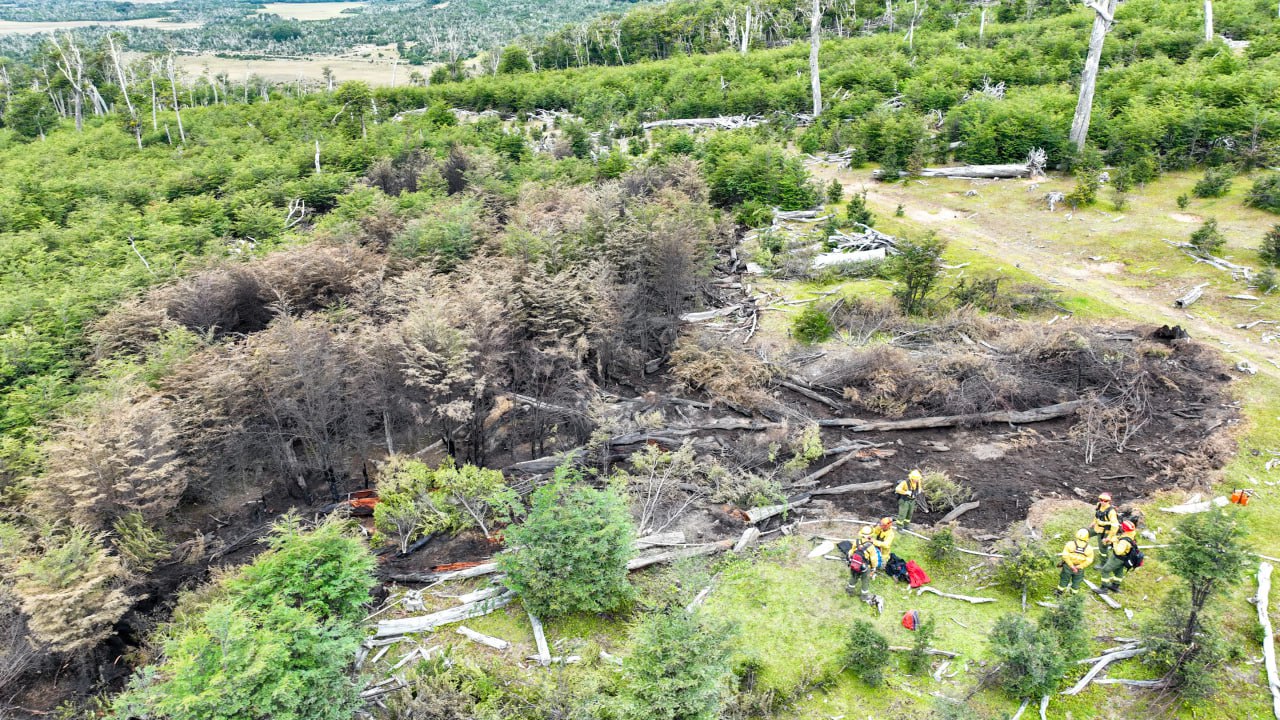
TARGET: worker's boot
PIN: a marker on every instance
(850, 588)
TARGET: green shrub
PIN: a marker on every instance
(1270, 250)
(274, 640)
(1119, 200)
(677, 669)
(417, 500)
(1143, 170)
(754, 214)
(1031, 663)
(942, 545)
(916, 267)
(1208, 239)
(1191, 667)
(1183, 201)
(571, 551)
(1215, 183)
(1265, 193)
(1024, 564)
(1267, 280)
(1068, 624)
(918, 658)
(857, 211)
(447, 236)
(326, 571)
(866, 653)
(740, 170)
(812, 326)
(835, 191)
(140, 545)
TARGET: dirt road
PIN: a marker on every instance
(1033, 254)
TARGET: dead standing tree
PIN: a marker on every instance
(1104, 18)
(1208, 21)
(71, 64)
(815, 44)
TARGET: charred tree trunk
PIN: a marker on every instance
(1103, 18)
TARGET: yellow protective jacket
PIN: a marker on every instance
(883, 539)
(1077, 555)
(1106, 522)
(1123, 544)
(908, 487)
(869, 551)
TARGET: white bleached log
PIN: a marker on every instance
(966, 598)
(710, 314)
(680, 554)
(928, 651)
(1110, 601)
(749, 536)
(959, 510)
(1099, 666)
(1268, 635)
(755, 515)
(676, 537)
(424, 623)
(972, 172)
(823, 548)
(1196, 507)
(540, 637)
(1192, 295)
(489, 640)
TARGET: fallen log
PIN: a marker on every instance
(681, 554)
(481, 594)
(970, 172)
(1192, 295)
(675, 537)
(1044, 706)
(1021, 709)
(1098, 667)
(928, 651)
(489, 640)
(966, 598)
(1131, 683)
(540, 637)
(709, 314)
(424, 623)
(959, 510)
(812, 395)
(437, 577)
(727, 122)
(1268, 635)
(1196, 507)
(541, 465)
(852, 487)
(755, 515)
(698, 599)
(1110, 601)
(814, 477)
(749, 536)
(1013, 417)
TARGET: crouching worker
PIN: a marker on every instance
(882, 536)
(864, 559)
(1125, 556)
(1076, 556)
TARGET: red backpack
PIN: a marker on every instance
(858, 562)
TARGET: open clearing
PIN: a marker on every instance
(14, 27)
(373, 70)
(309, 11)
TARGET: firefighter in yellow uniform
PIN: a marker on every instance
(882, 536)
(908, 491)
(1106, 523)
(1076, 556)
(1114, 568)
(870, 555)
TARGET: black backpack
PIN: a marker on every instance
(896, 568)
(1134, 559)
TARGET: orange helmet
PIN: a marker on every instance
(1104, 497)
(1127, 527)
(886, 522)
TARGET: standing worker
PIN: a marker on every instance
(1076, 556)
(1106, 523)
(864, 558)
(882, 536)
(1114, 568)
(908, 491)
